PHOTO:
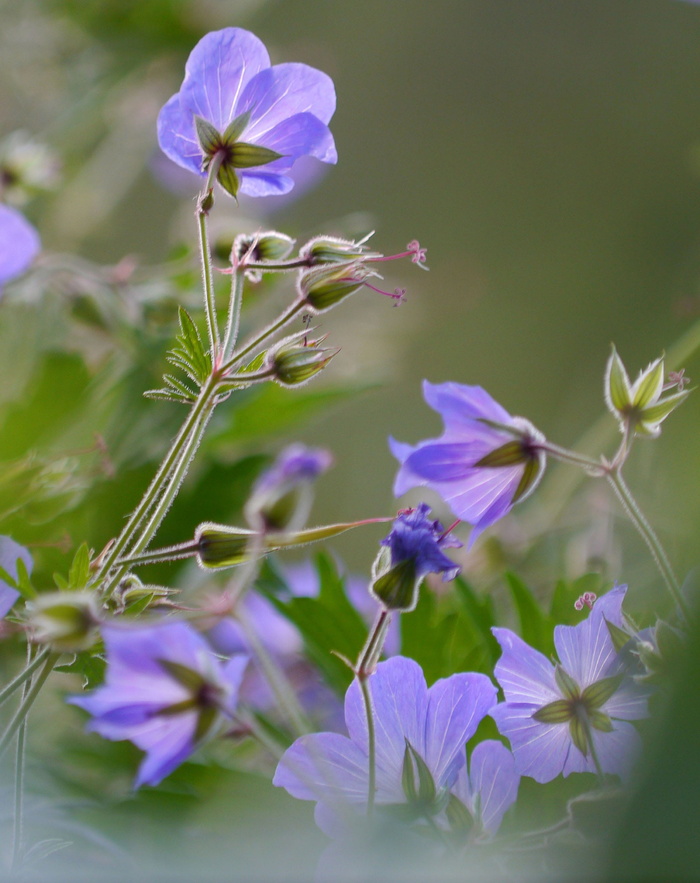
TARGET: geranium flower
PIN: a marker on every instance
(10, 552)
(165, 691)
(259, 118)
(561, 717)
(413, 550)
(484, 462)
(19, 243)
(417, 730)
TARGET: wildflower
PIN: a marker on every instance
(255, 119)
(19, 243)
(10, 553)
(165, 691)
(66, 621)
(421, 734)
(571, 716)
(484, 462)
(488, 786)
(413, 550)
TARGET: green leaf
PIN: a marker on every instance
(235, 128)
(510, 454)
(228, 179)
(557, 712)
(208, 136)
(536, 627)
(648, 387)
(79, 572)
(89, 665)
(597, 694)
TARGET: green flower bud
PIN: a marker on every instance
(67, 621)
(221, 546)
(324, 288)
(333, 250)
(296, 359)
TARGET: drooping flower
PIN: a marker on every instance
(420, 745)
(10, 552)
(165, 691)
(484, 462)
(281, 497)
(258, 118)
(413, 550)
(488, 786)
(19, 243)
(561, 717)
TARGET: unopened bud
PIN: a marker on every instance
(221, 546)
(333, 250)
(67, 621)
(295, 360)
(323, 288)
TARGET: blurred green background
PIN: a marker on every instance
(546, 153)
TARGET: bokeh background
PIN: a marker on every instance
(546, 153)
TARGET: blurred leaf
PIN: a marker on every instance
(89, 665)
(328, 624)
(79, 573)
(536, 626)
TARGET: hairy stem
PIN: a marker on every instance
(24, 675)
(371, 742)
(28, 700)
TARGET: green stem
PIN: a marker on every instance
(18, 827)
(205, 256)
(573, 457)
(371, 743)
(296, 307)
(167, 482)
(275, 677)
(28, 701)
(370, 653)
(167, 553)
(233, 321)
(24, 675)
(629, 504)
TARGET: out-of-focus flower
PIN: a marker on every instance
(254, 118)
(561, 717)
(488, 786)
(19, 243)
(67, 621)
(640, 407)
(484, 462)
(26, 167)
(165, 691)
(10, 552)
(411, 551)
(281, 497)
(420, 747)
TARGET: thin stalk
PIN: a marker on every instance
(155, 488)
(205, 257)
(24, 675)
(20, 750)
(167, 553)
(374, 644)
(180, 459)
(658, 553)
(233, 321)
(296, 307)
(248, 720)
(572, 457)
(28, 700)
(371, 743)
(284, 692)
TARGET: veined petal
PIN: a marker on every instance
(525, 674)
(280, 92)
(492, 778)
(219, 68)
(324, 766)
(177, 136)
(540, 750)
(300, 135)
(166, 746)
(400, 698)
(264, 183)
(586, 650)
(456, 707)
(461, 405)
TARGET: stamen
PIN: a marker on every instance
(398, 295)
(586, 600)
(677, 378)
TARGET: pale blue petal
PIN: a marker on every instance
(324, 766)
(177, 136)
(525, 675)
(540, 750)
(282, 91)
(19, 243)
(493, 778)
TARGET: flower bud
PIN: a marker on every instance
(294, 362)
(258, 247)
(333, 250)
(324, 287)
(67, 621)
(221, 546)
(26, 167)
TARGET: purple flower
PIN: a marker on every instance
(561, 717)
(414, 546)
(259, 118)
(281, 497)
(165, 691)
(19, 243)
(10, 552)
(484, 462)
(417, 729)
(489, 786)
